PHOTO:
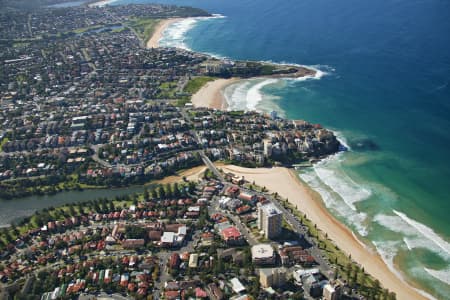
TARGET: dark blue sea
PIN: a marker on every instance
(383, 87)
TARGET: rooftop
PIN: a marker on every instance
(231, 233)
(262, 251)
(270, 209)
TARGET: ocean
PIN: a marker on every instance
(383, 87)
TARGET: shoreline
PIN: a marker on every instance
(288, 185)
(211, 94)
(100, 3)
(153, 41)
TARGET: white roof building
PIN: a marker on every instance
(168, 237)
(263, 254)
(237, 286)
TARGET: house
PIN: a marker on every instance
(168, 239)
(232, 191)
(193, 260)
(237, 286)
(133, 243)
(247, 197)
(214, 292)
(232, 236)
(174, 261)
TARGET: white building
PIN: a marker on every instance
(269, 220)
(263, 254)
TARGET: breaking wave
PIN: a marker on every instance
(175, 34)
(247, 94)
(338, 191)
(442, 275)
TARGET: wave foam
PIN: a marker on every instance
(442, 275)
(426, 232)
(388, 250)
(254, 95)
(417, 235)
(342, 184)
(342, 139)
(334, 201)
(247, 95)
(175, 34)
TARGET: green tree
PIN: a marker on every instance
(161, 192)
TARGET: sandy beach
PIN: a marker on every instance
(286, 183)
(210, 95)
(153, 42)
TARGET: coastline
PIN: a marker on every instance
(153, 41)
(288, 185)
(211, 94)
(101, 3)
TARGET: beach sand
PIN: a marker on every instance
(287, 184)
(211, 94)
(153, 42)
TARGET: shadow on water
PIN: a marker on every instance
(363, 145)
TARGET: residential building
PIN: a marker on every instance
(269, 220)
(232, 236)
(331, 291)
(272, 277)
(263, 254)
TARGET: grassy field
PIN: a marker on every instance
(167, 90)
(196, 83)
(2, 142)
(144, 27)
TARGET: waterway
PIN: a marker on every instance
(14, 209)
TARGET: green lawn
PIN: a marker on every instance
(196, 84)
(4, 141)
(167, 90)
(144, 27)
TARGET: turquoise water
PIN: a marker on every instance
(383, 87)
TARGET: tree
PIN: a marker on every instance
(71, 210)
(161, 192)
(376, 287)
(111, 206)
(154, 193)
(146, 195)
(176, 190)
(155, 273)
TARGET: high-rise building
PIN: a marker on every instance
(267, 148)
(269, 220)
